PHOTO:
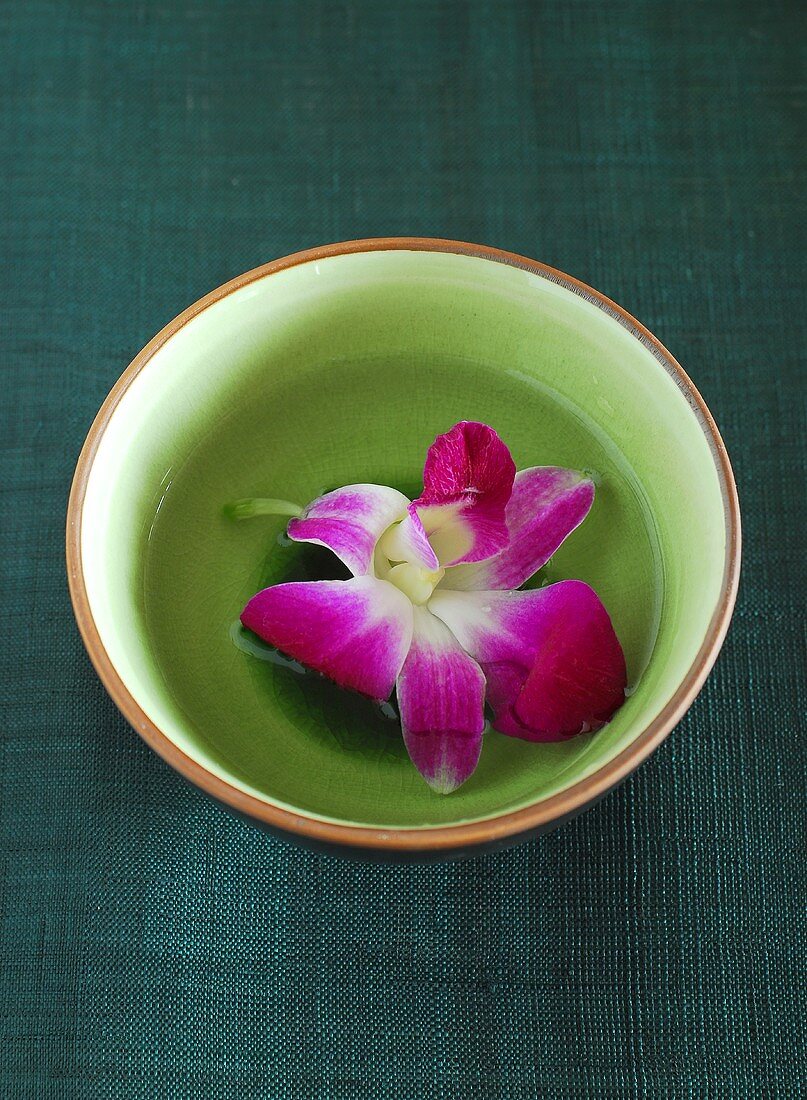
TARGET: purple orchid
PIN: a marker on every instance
(431, 608)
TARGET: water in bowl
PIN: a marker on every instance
(293, 735)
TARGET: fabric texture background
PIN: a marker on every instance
(152, 945)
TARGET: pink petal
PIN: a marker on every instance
(441, 694)
(547, 504)
(553, 663)
(469, 458)
(578, 678)
(350, 521)
(467, 482)
(357, 632)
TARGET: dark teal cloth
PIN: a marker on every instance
(153, 946)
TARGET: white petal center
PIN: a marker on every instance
(393, 563)
(414, 581)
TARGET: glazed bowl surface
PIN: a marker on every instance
(341, 365)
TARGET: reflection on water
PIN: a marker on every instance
(250, 643)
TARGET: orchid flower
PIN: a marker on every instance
(431, 608)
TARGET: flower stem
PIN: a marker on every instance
(255, 506)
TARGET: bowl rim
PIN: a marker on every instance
(411, 839)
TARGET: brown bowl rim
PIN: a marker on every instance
(411, 839)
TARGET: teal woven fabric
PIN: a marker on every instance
(151, 945)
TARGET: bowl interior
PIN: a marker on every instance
(343, 370)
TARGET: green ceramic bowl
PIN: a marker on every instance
(341, 365)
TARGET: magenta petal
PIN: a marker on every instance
(469, 458)
(547, 504)
(578, 677)
(554, 665)
(441, 694)
(350, 521)
(357, 632)
(467, 482)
